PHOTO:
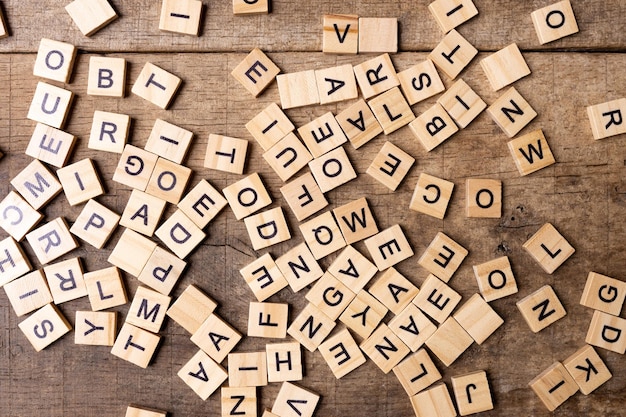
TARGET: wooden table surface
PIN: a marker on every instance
(583, 195)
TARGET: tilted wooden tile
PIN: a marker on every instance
(65, 280)
(608, 332)
(169, 141)
(472, 393)
(267, 228)
(393, 290)
(340, 34)
(359, 123)
(226, 154)
(452, 13)
(135, 167)
(180, 234)
(181, 16)
(587, 369)
(95, 328)
(504, 67)
(140, 411)
(385, 348)
(336, 84)
(462, 103)
(554, 22)
(453, 54)
(378, 34)
(55, 60)
(247, 196)
(18, 217)
(376, 76)
(299, 267)
(248, 7)
(202, 375)
(135, 345)
(436, 299)
(511, 112)
(51, 241)
(148, 309)
(284, 362)
(417, 372)
(412, 327)
(495, 279)
(191, 309)
(391, 110)
(322, 235)
(433, 127)
(13, 263)
(50, 145)
(478, 318)
(105, 288)
(44, 327)
(304, 196)
(247, 369)
(294, 401)
(420, 82)
(95, 224)
(322, 135)
(363, 314)
(80, 182)
(255, 72)
(554, 386)
(162, 271)
(606, 119)
(109, 132)
(107, 76)
(50, 105)
(352, 269)
(264, 277)
(549, 248)
(297, 89)
(356, 220)
(142, 212)
(541, 308)
(36, 184)
(332, 169)
(390, 166)
(443, 257)
(156, 85)
(91, 15)
(449, 341)
(216, 337)
(132, 252)
(270, 126)
(268, 320)
(330, 296)
(341, 353)
(28, 293)
(389, 247)
(168, 181)
(431, 196)
(202, 203)
(604, 293)
(311, 327)
(288, 156)
(483, 198)
(435, 401)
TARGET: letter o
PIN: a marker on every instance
(162, 175)
(54, 52)
(338, 171)
(490, 279)
(549, 22)
(252, 201)
(489, 195)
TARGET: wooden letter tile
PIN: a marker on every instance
(169, 141)
(376, 76)
(472, 393)
(181, 16)
(336, 84)
(341, 353)
(91, 15)
(378, 34)
(248, 7)
(390, 166)
(284, 362)
(135, 167)
(554, 22)
(549, 248)
(420, 82)
(268, 320)
(288, 156)
(50, 145)
(352, 269)
(412, 327)
(55, 60)
(389, 247)
(135, 345)
(191, 309)
(391, 110)
(359, 123)
(132, 251)
(202, 203)
(202, 375)
(299, 267)
(105, 288)
(433, 127)
(417, 372)
(311, 327)
(107, 77)
(95, 328)
(297, 89)
(511, 112)
(95, 224)
(322, 135)
(256, 72)
(604, 293)
(330, 296)
(44, 326)
(431, 196)
(162, 271)
(462, 103)
(168, 181)
(363, 314)
(80, 182)
(436, 299)
(332, 169)
(294, 401)
(17, 216)
(505, 67)
(495, 279)
(28, 293)
(239, 401)
(541, 308)
(355, 220)
(453, 54)
(452, 13)
(478, 318)
(607, 118)
(247, 196)
(13, 261)
(156, 85)
(484, 198)
(270, 126)
(443, 257)
(247, 369)
(148, 309)
(393, 290)
(139, 411)
(142, 212)
(50, 105)
(109, 132)
(322, 235)
(587, 369)
(340, 34)
(385, 348)
(227, 154)
(554, 386)
(264, 277)
(267, 228)
(36, 184)
(180, 234)
(65, 280)
(449, 341)
(608, 332)
(51, 241)
(216, 338)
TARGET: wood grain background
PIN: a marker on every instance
(583, 195)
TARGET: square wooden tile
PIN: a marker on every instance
(36, 184)
(378, 34)
(588, 369)
(330, 296)
(393, 290)
(421, 81)
(504, 67)
(376, 75)
(332, 169)
(169, 141)
(95, 328)
(433, 127)
(284, 362)
(303, 196)
(180, 234)
(191, 309)
(107, 76)
(322, 135)
(449, 341)
(14, 262)
(511, 112)
(295, 401)
(50, 145)
(604, 293)
(554, 21)
(247, 196)
(453, 54)
(270, 126)
(340, 34)
(431, 196)
(554, 386)
(435, 401)
(216, 338)
(311, 327)
(148, 308)
(322, 235)
(80, 182)
(452, 13)
(436, 299)
(385, 348)
(51, 240)
(256, 72)
(389, 247)
(40, 336)
(412, 327)
(478, 318)
(109, 132)
(336, 84)
(391, 110)
(226, 154)
(248, 7)
(541, 308)
(263, 277)
(142, 212)
(299, 267)
(606, 119)
(181, 16)
(363, 314)
(18, 217)
(390, 166)
(156, 85)
(297, 89)
(132, 252)
(495, 279)
(247, 369)
(417, 372)
(472, 393)
(66, 280)
(135, 345)
(91, 15)
(28, 293)
(356, 220)
(135, 167)
(483, 198)
(50, 105)
(203, 375)
(288, 156)
(105, 288)
(462, 103)
(268, 320)
(549, 248)
(359, 123)
(95, 224)
(443, 257)
(202, 203)
(352, 269)
(608, 332)
(341, 353)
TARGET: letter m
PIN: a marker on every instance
(39, 188)
(148, 315)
